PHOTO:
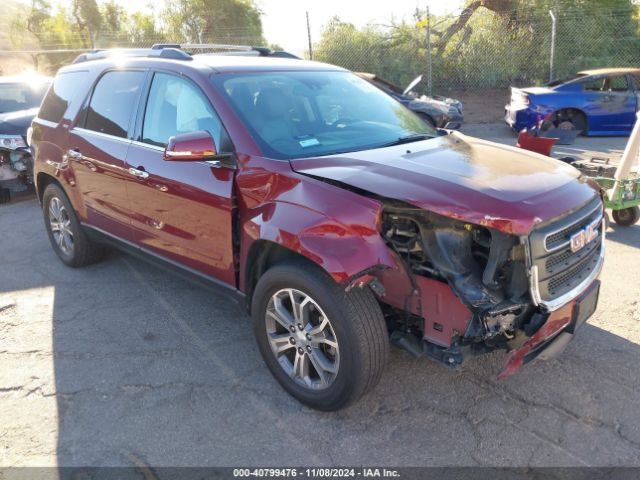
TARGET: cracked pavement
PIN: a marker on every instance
(122, 361)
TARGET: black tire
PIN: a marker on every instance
(355, 318)
(83, 251)
(575, 117)
(626, 216)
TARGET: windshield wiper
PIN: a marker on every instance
(416, 137)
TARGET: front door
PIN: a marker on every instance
(181, 211)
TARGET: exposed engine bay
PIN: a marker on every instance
(16, 172)
(485, 268)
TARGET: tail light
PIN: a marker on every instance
(519, 98)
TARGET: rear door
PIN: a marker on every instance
(181, 211)
(97, 150)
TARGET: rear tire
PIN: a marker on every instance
(68, 239)
(571, 116)
(626, 216)
(343, 333)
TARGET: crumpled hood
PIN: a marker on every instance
(17, 123)
(462, 177)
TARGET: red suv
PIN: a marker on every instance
(343, 220)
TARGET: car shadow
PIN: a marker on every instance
(625, 235)
(149, 370)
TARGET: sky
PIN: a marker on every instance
(284, 21)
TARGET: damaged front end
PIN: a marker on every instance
(16, 167)
(461, 288)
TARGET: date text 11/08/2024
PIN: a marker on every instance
(315, 472)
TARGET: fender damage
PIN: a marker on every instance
(458, 232)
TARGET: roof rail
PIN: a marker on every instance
(179, 51)
(173, 53)
(226, 49)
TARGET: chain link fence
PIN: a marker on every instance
(491, 51)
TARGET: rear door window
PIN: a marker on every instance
(65, 87)
(113, 102)
(617, 84)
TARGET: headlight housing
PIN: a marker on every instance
(12, 142)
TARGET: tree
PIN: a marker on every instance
(88, 19)
(214, 21)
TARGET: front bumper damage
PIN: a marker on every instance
(461, 290)
(16, 172)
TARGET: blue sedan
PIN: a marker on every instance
(597, 102)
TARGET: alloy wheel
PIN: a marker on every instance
(60, 224)
(302, 339)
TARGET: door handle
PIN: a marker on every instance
(74, 154)
(141, 174)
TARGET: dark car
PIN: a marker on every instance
(20, 98)
(595, 102)
(437, 111)
(338, 216)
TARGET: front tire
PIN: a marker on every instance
(626, 216)
(326, 347)
(67, 238)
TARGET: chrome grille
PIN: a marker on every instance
(558, 269)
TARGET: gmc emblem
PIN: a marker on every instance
(584, 236)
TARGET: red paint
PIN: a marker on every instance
(190, 146)
(473, 180)
(208, 218)
(557, 320)
(541, 145)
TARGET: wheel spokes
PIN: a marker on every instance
(300, 368)
(302, 339)
(317, 329)
(281, 342)
(60, 225)
(322, 365)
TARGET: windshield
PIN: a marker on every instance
(21, 96)
(305, 114)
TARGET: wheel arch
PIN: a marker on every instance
(263, 255)
(579, 110)
(43, 180)
(292, 232)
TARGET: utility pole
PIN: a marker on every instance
(309, 37)
(429, 61)
(553, 45)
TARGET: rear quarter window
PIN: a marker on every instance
(65, 87)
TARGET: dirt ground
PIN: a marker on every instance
(482, 106)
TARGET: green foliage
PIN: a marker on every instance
(507, 44)
(87, 24)
(213, 21)
(397, 56)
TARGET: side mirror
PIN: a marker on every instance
(452, 125)
(191, 147)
